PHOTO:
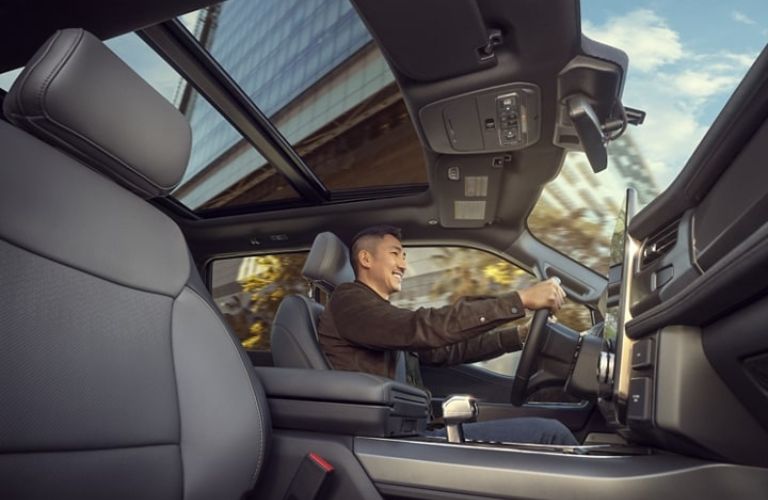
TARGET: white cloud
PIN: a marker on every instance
(702, 83)
(672, 128)
(643, 35)
(740, 17)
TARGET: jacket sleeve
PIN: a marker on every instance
(363, 318)
(479, 348)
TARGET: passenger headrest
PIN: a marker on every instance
(328, 264)
(79, 96)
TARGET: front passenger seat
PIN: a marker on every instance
(294, 328)
(118, 378)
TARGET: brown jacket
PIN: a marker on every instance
(360, 331)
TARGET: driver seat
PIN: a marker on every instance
(119, 378)
(294, 328)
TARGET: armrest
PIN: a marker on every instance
(334, 386)
(340, 402)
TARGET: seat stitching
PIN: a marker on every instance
(245, 370)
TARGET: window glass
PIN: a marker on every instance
(248, 290)
(219, 154)
(7, 78)
(313, 69)
(439, 276)
(684, 63)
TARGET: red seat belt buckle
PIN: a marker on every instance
(311, 478)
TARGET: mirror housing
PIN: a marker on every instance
(589, 130)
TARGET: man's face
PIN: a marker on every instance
(386, 265)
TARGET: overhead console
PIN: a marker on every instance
(503, 118)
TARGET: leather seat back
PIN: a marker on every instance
(294, 329)
(119, 378)
(294, 334)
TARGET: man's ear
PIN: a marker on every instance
(365, 259)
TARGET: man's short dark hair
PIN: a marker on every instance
(358, 242)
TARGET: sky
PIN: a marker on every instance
(685, 59)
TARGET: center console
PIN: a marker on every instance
(340, 402)
(368, 431)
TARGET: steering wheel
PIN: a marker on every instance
(531, 351)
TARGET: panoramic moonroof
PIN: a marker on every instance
(313, 69)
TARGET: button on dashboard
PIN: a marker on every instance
(640, 399)
(642, 353)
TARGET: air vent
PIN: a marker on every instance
(659, 244)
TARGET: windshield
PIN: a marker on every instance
(684, 63)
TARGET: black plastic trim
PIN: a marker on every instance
(732, 281)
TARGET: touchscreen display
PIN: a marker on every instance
(623, 250)
(614, 275)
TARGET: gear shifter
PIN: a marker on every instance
(458, 410)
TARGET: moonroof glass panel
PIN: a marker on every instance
(221, 160)
(312, 68)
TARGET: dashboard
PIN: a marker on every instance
(691, 371)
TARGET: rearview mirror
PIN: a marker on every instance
(589, 131)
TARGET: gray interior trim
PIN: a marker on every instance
(515, 473)
(693, 401)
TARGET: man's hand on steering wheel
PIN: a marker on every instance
(543, 295)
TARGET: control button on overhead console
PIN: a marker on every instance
(508, 112)
(640, 399)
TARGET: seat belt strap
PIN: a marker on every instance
(401, 368)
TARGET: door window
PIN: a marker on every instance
(248, 290)
(439, 276)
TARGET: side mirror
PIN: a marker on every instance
(589, 131)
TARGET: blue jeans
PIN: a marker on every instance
(533, 430)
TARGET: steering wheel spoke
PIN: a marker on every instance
(531, 349)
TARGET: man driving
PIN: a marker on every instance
(360, 330)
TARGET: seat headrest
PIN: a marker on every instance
(327, 264)
(78, 95)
